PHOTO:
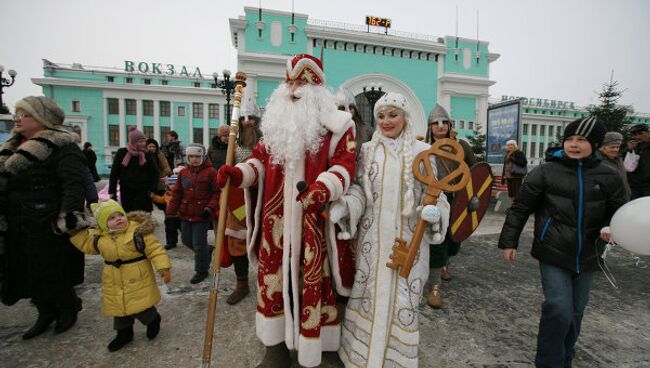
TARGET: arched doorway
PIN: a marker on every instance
(389, 84)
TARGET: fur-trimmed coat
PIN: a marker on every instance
(42, 187)
(132, 287)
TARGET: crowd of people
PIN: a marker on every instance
(315, 208)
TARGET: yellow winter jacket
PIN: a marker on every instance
(132, 287)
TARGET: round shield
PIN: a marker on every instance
(471, 203)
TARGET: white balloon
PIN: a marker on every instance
(630, 226)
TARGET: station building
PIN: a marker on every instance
(101, 102)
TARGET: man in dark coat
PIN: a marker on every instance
(42, 188)
(573, 197)
(639, 179)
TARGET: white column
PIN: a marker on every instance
(138, 113)
(191, 118)
(172, 112)
(122, 121)
(206, 126)
(546, 138)
(222, 115)
(481, 108)
(156, 123)
(105, 109)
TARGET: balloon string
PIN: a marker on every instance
(603, 265)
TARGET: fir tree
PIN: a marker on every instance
(477, 142)
(614, 117)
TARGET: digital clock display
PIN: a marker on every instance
(378, 22)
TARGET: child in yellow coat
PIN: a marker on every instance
(129, 247)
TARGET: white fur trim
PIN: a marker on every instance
(237, 234)
(249, 178)
(310, 349)
(336, 121)
(333, 253)
(344, 173)
(332, 183)
(270, 331)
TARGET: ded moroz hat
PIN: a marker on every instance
(306, 68)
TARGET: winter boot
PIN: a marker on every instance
(153, 328)
(67, 316)
(124, 336)
(435, 297)
(239, 293)
(276, 356)
(198, 277)
(445, 274)
(46, 315)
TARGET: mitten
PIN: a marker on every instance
(432, 214)
(167, 276)
(206, 212)
(234, 173)
(314, 198)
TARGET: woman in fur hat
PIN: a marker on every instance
(135, 170)
(42, 188)
(381, 317)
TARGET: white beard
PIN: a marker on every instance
(291, 129)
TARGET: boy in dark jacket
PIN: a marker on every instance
(195, 198)
(573, 197)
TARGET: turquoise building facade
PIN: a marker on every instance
(102, 102)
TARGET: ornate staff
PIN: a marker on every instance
(456, 180)
(240, 83)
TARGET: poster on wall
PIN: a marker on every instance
(503, 124)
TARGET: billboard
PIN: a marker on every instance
(503, 124)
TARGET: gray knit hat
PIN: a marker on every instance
(438, 114)
(44, 109)
(612, 138)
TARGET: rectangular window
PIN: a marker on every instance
(197, 110)
(76, 106)
(113, 106)
(164, 108)
(197, 84)
(147, 107)
(213, 111)
(163, 132)
(130, 107)
(198, 135)
(533, 130)
(148, 131)
(525, 129)
(461, 124)
(540, 150)
(164, 82)
(129, 80)
(470, 125)
(113, 135)
(542, 130)
(181, 111)
(213, 132)
(550, 130)
(147, 81)
(110, 78)
(524, 148)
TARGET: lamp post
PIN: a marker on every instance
(227, 87)
(5, 82)
(373, 93)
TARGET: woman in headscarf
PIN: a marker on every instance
(135, 170)
(381, 317)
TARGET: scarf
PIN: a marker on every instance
(132, 151)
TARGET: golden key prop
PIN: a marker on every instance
(403, 257)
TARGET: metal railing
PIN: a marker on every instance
(375, 30)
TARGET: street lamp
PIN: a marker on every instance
(227, 87)
(5, 82)
(373, 94)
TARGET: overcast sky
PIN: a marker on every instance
(555, 49)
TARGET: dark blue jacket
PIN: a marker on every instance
(572, 200)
